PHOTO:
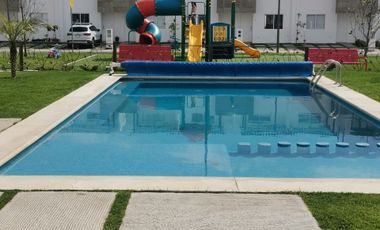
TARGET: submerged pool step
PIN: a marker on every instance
(304, 148)
(264, 148)
(342, 148)
(284, 147)
(244, 148)
(362, 148)
(322, 148)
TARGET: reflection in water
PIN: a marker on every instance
(193, 130)
(197, 114)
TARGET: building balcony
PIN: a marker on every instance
(242, 6)
(114, 6)
(347, 6)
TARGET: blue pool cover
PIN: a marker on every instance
(243, 69)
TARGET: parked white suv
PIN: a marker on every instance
(83, 34)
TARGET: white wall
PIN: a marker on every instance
(290, 10)
(116, 21)
(343, 29)
(327, 7)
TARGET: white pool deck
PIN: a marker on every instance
(20, 136)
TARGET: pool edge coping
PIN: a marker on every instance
(149, 183)
(189, 184)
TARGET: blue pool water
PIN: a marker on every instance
(193, 129)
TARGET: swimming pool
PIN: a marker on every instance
(179, 128)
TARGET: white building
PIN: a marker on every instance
(322, 21)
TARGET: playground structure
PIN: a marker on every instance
(219, 39)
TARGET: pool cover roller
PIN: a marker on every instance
(258, 69)
(137, 14)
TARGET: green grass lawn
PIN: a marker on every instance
(40, 61)
(31, 91)
(344, 211)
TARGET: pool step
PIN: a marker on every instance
(304, 148)
(323, 148)
(342, 148)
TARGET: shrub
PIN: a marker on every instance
(360, 43)
(378, 44)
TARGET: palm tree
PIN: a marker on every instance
(13, 31)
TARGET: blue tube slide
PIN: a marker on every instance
(137, 14)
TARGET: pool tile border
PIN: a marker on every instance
(26, 132)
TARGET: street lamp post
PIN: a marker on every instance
(278, 26)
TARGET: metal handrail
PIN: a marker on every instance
(325, 66)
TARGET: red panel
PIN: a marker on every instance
(145, 52)
(343, 55)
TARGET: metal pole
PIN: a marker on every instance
(208, 31)
(233, 21)
(72, 30)
(175, 37)
(278, 26)
(8, 16)
(183, 36)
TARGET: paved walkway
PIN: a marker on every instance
(216, 211)
(56, 210)
(89, 210)
(7, 122)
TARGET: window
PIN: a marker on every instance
(315, 21)
(80, 18)
(78, 29)
(271, 21)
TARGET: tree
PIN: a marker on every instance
(29, 9)
(366, 22)
(13, 31)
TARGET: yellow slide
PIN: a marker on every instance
(246, 49)
(195, 42)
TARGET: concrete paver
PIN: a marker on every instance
(7, 122)
(56, 210)
(216, 211)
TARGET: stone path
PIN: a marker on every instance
(56, 210)
(89, 210)
(7, 122)
(216, 211)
